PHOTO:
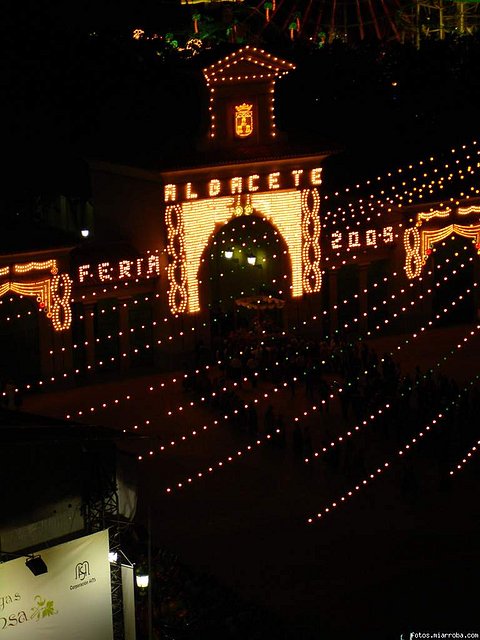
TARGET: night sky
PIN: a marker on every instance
(76, 85)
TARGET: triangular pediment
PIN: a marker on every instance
(245, 65)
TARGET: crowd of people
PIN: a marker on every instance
(368, 387)
(355, 383)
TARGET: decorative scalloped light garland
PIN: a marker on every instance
(46, 265)
(437, 213)
(53, 294)
(466, 211)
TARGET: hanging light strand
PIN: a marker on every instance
(406, 448)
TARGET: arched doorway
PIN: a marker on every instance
(294, 213)
(454, 273)
(246, 257)
(19, 339)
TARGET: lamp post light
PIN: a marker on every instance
(251, 259)
(228, 253)
(142, 580)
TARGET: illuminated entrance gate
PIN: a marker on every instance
(293, 213)
(449, 234)
(283, 189)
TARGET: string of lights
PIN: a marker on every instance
(376, 208)
(171, 337)
(439, 363)
(225, 417)
(468, 457)
(437, 317)
(417, 166)
(332, 395)
(341, 439)
(180, 408)
(406, 448)
(125, 355)
(384, 302)
(346, 301)
(228, 459)
(91, 409)
(203, 399)
(261, 440)
(408, 192)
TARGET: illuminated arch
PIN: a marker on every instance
(53, 293)
(424, 240)
(293, 213)
(272, 259)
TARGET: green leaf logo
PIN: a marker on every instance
(42, 609)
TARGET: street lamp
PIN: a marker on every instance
(228, 253)
(251, 259)
(142, 580)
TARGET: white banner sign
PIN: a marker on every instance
(72, 600)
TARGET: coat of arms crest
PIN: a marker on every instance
(243, 120)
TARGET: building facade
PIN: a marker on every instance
(180, 256)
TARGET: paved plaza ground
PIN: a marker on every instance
(383, 564)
